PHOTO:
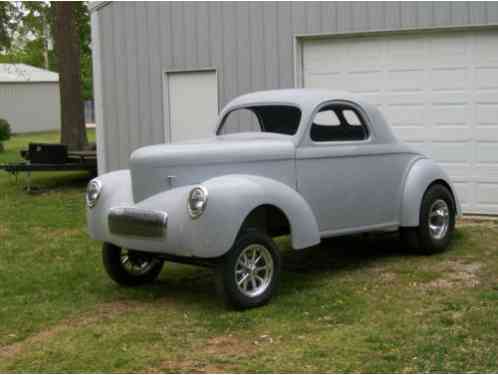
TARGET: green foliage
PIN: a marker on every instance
(24, 37)
(4, 130)
(9, 18)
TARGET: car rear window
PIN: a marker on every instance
(338, 123)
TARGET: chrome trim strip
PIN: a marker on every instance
(137, 222)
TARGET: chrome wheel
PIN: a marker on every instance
(135, 263)
(254, 270)
(439, 219)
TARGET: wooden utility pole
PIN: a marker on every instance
(67, 49)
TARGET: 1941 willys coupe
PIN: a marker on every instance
(308, 163)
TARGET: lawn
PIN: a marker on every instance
(350, 305)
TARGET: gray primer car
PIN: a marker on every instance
(316, 164)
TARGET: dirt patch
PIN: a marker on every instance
(485, 221)
(456, 275)
(102, 312)
(189, 366)
(57, 232)
(229, 345)
(3, 231)
(222, 348)
(387, 277)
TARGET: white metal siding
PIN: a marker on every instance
(30, 107)
(438, 90)
(250, 44)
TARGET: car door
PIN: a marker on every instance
(351, 182)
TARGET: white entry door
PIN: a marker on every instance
(439, 91)
(191, 100)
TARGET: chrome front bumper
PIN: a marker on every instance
(137, 222)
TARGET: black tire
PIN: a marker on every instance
(226, 271)
(111, 257)
(422, 239)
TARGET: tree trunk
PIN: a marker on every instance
(67, 49)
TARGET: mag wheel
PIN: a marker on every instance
(250, 272)
(130, 267)
(437, 222)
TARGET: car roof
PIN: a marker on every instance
(308, 99)
(299, 97)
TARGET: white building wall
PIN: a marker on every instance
(30, 107)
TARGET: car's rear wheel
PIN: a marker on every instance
(249, 274)
(436, 222)
(130, 267)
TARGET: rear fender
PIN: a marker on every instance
(422, 173)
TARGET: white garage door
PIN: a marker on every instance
(192, 99)
(439, 91)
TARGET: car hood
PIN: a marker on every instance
(161, 167)
(241, 147)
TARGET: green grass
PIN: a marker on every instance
(351, 305)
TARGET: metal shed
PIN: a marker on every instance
(29, 98)
(163, 70)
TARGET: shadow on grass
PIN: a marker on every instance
(190, 285)
(342, 253)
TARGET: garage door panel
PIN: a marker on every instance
(454, 114)
(458, 171)
(463, 191)
(364, 81)
(439, 91)
(488, 133)
(407, 80)
(325, 80)
(448, 152)
(409, 133)
(486, 173)
(487, 113)
(487, 152)
(487, 194)
(449, 133)
(449, 78)
(486, 77)
(400, 114)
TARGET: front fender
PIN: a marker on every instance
(422, 173)
(232, 198)
(116, 192)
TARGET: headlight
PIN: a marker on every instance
(93, 192)
(197, 201)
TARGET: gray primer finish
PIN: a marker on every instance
(324, 189)
(251, 45)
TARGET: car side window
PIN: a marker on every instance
(241, 120)
(337, 123)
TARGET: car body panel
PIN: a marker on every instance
(231, 199)
(421, 174)
(324, 189)
(161, 167)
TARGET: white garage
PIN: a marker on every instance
(439, 91)
(29, 98)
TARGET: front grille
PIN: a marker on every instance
(137, 222)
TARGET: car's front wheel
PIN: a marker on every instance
(436, 222)
(130, 267)
(249, 274)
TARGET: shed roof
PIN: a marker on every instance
(26, 73)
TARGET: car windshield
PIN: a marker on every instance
(281, 119)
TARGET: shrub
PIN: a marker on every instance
(4, 132)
